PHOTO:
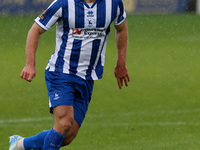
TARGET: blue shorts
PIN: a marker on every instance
(65, 89)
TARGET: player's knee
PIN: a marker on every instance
(66, 125)
(69, 138)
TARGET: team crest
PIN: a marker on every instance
(90, 22)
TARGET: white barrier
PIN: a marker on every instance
(198, 7)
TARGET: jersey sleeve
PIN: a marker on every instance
(121, 14)
(50, 16)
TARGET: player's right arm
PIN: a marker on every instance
(42, 23)
(29, 72)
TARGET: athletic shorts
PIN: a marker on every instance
(65, 89)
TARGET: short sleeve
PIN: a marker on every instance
(50, 16)
(121, 14)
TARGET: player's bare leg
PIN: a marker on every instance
(64, 118)
(71, 134)
(64, 123)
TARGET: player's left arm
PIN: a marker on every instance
(121, 37)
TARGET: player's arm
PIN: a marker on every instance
(121, 37)
(29, 72)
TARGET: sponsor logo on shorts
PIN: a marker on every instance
(56, 96)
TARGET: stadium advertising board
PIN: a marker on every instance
(23, 6)
(132, 6)
(156, 6)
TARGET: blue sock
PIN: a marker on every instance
(53, 140)
(35, 142)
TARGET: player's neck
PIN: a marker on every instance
(89, 1)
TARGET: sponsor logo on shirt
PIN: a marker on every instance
(76, 31)
(88, 33)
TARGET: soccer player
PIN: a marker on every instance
(83, 28)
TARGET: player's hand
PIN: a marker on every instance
(28, 73)
(121, 73)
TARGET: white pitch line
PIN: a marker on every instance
(24, 120)
(179, 123)
(4, 123)
(42, 119)
(148, 113)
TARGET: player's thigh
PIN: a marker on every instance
(63, 110)
(64, 115)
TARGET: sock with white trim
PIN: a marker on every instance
(53, 140)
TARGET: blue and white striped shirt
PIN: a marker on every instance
(81, 34)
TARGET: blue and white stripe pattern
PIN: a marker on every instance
(81, 35)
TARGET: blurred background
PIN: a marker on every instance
(132, 6)
(159, 110)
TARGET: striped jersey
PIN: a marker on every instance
(81, 34)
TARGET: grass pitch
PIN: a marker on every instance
(158, 111)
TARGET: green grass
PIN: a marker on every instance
(158, 111)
